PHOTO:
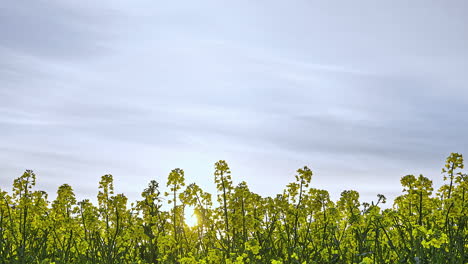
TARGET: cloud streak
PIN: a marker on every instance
(363, 93)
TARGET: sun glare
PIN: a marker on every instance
(191, 218)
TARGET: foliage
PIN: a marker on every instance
(300, 225)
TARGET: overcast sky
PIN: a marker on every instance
(363, 92)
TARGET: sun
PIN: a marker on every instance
(191, 218)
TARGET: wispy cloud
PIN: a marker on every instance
(361, 92)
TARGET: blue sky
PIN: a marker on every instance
(363, 92)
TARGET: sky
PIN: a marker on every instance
(362, 92)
